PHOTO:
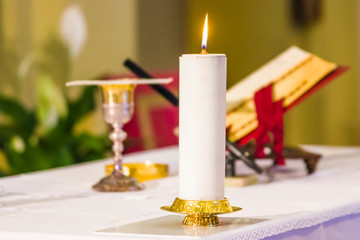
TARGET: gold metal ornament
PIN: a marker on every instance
(201, 213)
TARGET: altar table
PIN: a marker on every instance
(59, 203)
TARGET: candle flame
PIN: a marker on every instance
(205, 36)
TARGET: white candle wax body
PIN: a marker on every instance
(202, 126)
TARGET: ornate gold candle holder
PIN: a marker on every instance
(201, 213)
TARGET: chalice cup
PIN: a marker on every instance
(118, 109)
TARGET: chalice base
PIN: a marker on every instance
(118, 182)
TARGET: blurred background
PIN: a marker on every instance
(45, 43)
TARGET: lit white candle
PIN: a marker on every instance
(202, 126)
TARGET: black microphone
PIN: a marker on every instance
(159, 88)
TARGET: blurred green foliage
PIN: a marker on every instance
(44, 136)
(26, 146)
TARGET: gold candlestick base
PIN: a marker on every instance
(200, 220)
(201, 213)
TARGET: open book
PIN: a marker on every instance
(295, 74)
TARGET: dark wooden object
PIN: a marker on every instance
(289, 153)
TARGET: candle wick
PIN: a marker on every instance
(203, 51)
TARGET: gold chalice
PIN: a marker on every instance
(118, 109)
(117, 97)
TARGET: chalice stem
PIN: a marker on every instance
(117, 136)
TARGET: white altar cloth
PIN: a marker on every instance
(59, 203)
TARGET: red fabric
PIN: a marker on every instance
(338, 71)
(164, 120)
(270, 119)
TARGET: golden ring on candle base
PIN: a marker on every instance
(141, 171)
(201, 213)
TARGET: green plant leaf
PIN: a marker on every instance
(82, 106)
(23, 120)
(6, 133)
(51, 104)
